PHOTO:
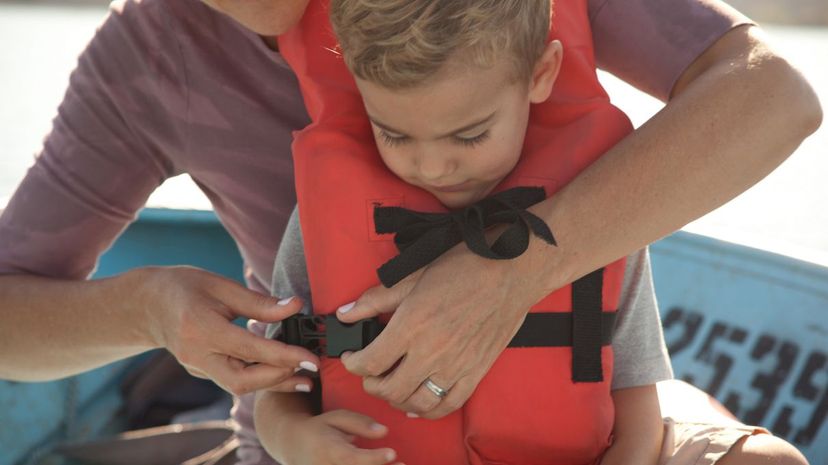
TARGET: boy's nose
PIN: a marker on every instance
(435, 166)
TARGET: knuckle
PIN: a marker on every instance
(187, 358)
(397, 398)
(451, 405)
(370, 367)
(393, 395)
(371, 387)
(421, 405)
(238, 387)
(341, 456)
(246, 351)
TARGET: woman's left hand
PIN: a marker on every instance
(453, 319)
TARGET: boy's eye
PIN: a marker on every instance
(391, 139)
(473, 141)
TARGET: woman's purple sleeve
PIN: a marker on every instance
(100, 162)
(649, 43)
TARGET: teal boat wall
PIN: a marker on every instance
(35, 415)
(745, 325)
(750, 328)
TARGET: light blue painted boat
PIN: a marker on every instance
(746, 325)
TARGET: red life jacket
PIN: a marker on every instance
(526, 410)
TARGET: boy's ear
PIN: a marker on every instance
(545, 72)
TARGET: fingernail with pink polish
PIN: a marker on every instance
(310, 366)
(285, 301)
(303, 388)
(412, 415)
(377, 427)
(346, 308)
(390, 455)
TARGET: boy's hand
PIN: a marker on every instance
(327, 439)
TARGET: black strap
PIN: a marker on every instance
(422, 237)
(555, 330)
(587, 327)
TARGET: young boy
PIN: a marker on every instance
(447, 87)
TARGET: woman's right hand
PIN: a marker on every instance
(190, 312)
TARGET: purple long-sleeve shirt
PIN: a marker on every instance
(171, 86)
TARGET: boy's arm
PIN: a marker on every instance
(639, 429)
(272, 411)
(290, 432)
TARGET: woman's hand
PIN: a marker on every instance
(452, 320)
(191, 315)
(326, 439)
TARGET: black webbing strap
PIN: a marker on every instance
(421, 237)
(587, 327)
(555, 330)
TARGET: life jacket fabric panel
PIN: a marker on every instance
(526, 410)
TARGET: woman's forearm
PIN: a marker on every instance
(736, 114)
(56, 328)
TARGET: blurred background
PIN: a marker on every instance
(40, 40)
(785, 214)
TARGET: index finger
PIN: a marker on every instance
(244, 345)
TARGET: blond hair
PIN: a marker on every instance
(401, 43)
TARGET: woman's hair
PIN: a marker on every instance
(401, 43)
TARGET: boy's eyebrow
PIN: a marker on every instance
(458, 130)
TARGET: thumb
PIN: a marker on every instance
(377, 300)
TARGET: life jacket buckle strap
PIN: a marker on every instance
(326, 335)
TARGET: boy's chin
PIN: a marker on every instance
(455, 200)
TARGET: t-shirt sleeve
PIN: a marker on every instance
(650, 43)
(641, 356)
(103, 156)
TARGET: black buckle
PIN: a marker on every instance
(326, 335)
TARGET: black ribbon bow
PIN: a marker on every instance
(422, 237)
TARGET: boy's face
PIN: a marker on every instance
(457, 135)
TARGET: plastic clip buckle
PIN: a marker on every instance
(343, 337)
(336, 337)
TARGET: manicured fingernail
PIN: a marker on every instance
(377, 427)
(303, 388)
(346, 308)
(412, 415)
(285, 301)
(310, 366)
(390, 455)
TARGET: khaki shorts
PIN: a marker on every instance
(690, 443)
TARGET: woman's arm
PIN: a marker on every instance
(639, 430)
(736, 113)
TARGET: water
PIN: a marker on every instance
(783, 213)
